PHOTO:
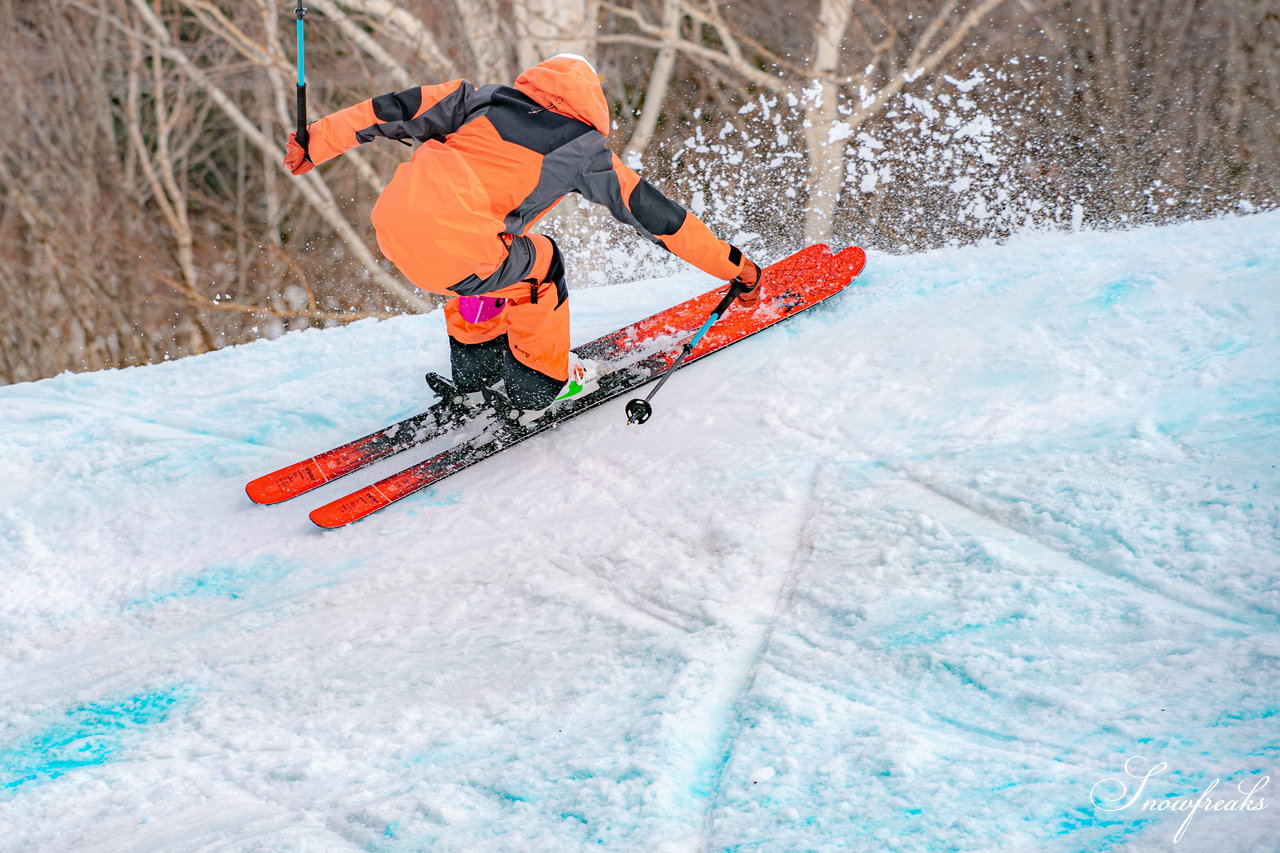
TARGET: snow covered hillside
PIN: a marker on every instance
(923, 569)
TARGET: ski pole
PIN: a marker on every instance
(303, 137)
(638, 411)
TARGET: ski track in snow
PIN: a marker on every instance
(913, 571)
(781, 600)
(1042, 550)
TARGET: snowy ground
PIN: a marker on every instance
(915, 571)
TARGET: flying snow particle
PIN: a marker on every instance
(839, 130)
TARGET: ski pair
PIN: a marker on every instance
(630, 358)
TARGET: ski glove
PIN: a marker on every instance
(296, 158)
(752, 277)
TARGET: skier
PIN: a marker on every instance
(455, 217)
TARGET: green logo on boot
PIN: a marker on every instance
(573, 390)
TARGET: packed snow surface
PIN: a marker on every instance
(979, 555)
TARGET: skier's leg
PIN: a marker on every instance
(477, 366)
(537, 362)
(477, 340)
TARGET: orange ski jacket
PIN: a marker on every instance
(494, 160)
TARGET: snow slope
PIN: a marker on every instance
(917, 570)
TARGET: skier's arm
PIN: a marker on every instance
(421, 113)
(635, 201)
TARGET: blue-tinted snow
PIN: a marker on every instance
(916, 571)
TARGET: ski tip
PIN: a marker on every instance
(853, 259)
(266, 491)
(326, 522)
(330, 518)
(327, 519)
(345, 510)
(808, 255)
(286, 483)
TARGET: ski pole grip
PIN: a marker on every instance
(735, 289)
(303, 135)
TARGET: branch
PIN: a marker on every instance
(753, 75)
(365, 42)
(192, 298)
(310, 185)
(922, 44)
(403, 26)
(898, 77)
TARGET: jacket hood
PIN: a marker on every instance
(568, 85)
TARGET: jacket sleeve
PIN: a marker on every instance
(635, 201)
(421, 113)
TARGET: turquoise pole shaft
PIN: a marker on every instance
(301, 48)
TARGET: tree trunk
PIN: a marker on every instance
(826, 154)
